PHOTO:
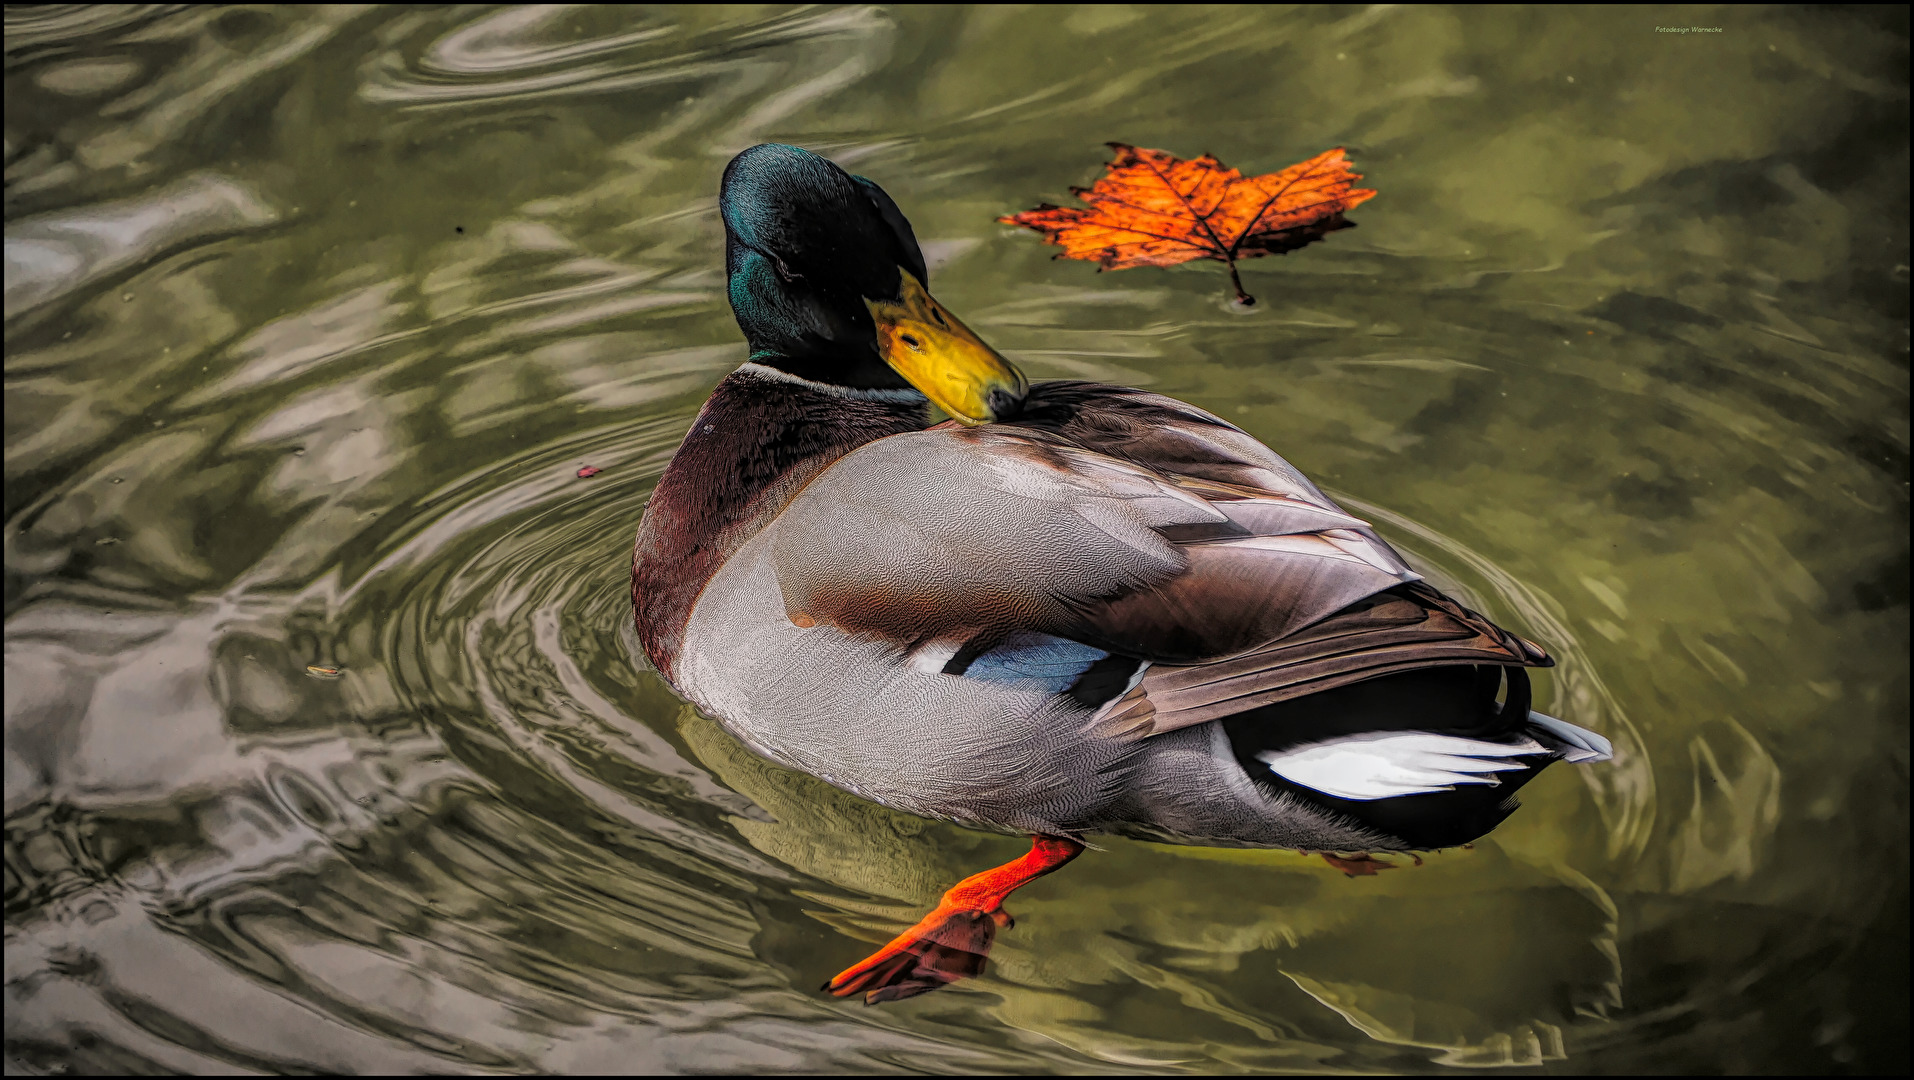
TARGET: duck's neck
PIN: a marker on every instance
(762, 436)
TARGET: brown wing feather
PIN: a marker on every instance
(1245, 610)
(1231, 598)
(1409, 626)
(1283, 557)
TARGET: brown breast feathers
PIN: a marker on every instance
(753, 446)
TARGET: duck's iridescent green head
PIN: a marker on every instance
(828, 284)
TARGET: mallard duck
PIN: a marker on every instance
(1069, 609)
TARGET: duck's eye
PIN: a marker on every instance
(912, 342)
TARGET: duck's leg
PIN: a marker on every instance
(951, 942)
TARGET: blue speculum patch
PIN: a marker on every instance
(1035, 660)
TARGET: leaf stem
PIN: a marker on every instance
(1236, 283)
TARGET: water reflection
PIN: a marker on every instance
(54, 254)
(313, 315)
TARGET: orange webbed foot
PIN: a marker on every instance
(946, 945)
(953, 941)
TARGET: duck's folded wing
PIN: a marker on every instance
(955, 535)
(1127, 521)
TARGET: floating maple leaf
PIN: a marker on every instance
(1155, 209)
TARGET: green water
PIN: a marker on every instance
(313, 314)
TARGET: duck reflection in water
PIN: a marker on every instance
(1071, 609)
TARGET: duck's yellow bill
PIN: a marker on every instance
(942, 357)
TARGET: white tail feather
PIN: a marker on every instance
(1385, 765)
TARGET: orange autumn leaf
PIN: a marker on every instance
(1154, 209)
